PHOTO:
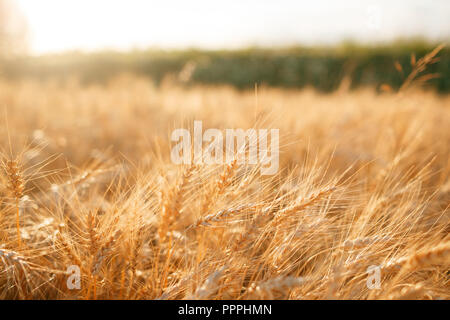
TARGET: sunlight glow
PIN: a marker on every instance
(98, 24)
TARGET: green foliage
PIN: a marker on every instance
(320, 67)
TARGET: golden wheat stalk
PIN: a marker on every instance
(16, 187)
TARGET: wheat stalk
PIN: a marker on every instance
(16, 187)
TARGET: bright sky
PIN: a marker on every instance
(124, 24)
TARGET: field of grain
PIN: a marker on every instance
(87, 181)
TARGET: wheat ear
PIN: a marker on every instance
(409, 293)
(265, 289)
(436, 255)
(209, 287)
(16, 186)
(214, 217)
(305, 202)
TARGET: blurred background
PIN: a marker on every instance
(277, 43)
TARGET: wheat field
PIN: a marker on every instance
(87, 181)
